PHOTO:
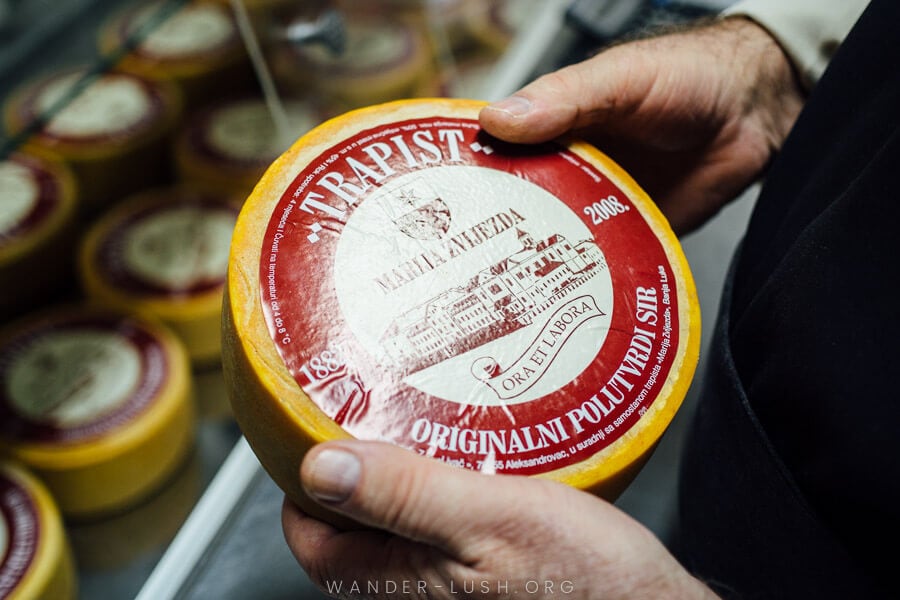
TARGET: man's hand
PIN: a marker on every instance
(439, 531)
(694, 116)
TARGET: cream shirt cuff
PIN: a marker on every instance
(810, 31)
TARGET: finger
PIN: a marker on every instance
(328, 554)
(334, 559)
(586, 93)
(418, 498)
(305, 536)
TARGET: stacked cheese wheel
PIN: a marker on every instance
(37, 232)
(228, 145)
(112, 129)
(399, 275)
(271, 13)
(97, 404)
(101, 545)
(443, 21)
(493, 25)
(197, 46)
(163, 253)
(470, 78)
(35, 559)
(383, 59)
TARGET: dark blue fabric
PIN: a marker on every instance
(791, 480)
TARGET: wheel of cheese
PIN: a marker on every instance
(228, 146)
(383, 60)
(112, 129)
(267, 12)
(197, 46)
(97, 404)
(400, 275)
(99, 544)
(212, 396)
(444, 21)
(163, 253)
(494, 25)
(37, 233)
(35, 559)
(470, 78)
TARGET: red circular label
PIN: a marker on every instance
(500, 307)
(32, 195)
(373, 47)
(99, 114)
(20, 535)
(175, 247)
(197, 32)
(76, 377)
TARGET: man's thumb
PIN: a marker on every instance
(576, 96)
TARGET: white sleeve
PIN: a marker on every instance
(810, 31)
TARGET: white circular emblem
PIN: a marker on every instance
(191, 30)
(18, 195)
(71, 378)
(108, 105)
(479, 287)
(176, 249)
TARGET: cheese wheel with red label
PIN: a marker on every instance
(112, 129)
(197, 46)
(35, 557)
(494, 25)
(383, 60)
(37, 232)
(99, 545)
(97, 404)
(227, 146)
(163, 254)
(400, 275)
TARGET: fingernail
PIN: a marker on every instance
(514, 105)
(333, 475)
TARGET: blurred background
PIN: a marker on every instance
(132, 132)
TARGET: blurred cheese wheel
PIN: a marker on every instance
(383, 60)
(269, 14)
(37, 232)
(163, 253)
(443, 21)
(97, 404)
(399, 275)
(470, 78)
(112, 130)
(35, 558)
(494, 25)
(151, 525)
(196, 45)
(228, 146)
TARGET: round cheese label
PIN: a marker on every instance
(73, 378)
(244, 131)
(30, 196)
(495, 306)
(19, 534)
(170, 248)
(20, 195)
(372, 47)
(111, 105)
(194, 30)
